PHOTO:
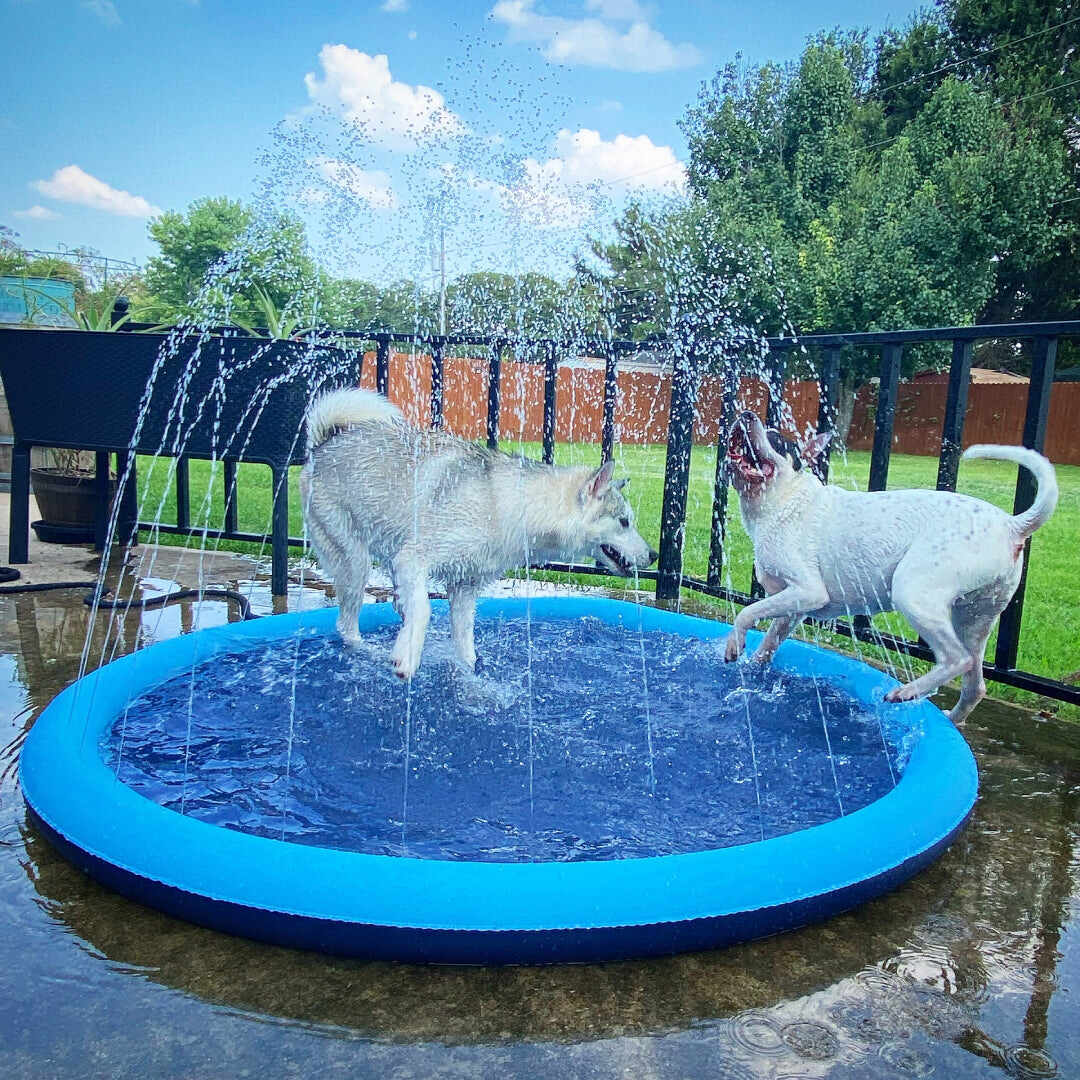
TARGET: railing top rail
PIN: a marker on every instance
(981, 332)
(1067, 328)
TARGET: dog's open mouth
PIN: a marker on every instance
(744, 458)
(618, 562)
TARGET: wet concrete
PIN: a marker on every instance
(971, 969)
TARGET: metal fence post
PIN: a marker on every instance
(183, 493)
(611, 389)
(828, 389)
(231, 493)
(952, 431)
(1038, 409)
(494, 375)
(551, 375)
(888, 388)
(776, 373)
(382, 364)
(437, 392)
(718, 534)
(676, 476)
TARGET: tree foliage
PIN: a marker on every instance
(215, 257)
(899, 184)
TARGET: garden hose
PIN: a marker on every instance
(8, 573)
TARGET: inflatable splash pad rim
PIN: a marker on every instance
(442, 911)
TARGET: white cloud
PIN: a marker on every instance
(72, 184)
(394, 6)
(625, 162)
(592, 42)
(105, 10)
(583, 176)
(369, 185)
(361, 87)
(38, 213)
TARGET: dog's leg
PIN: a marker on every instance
(793, 602)
(351, 586)
(328, 531)
(412, 594)
(973, 628)
(779, 629)
(462, 623)
(927, 603)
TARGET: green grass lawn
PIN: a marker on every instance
(1049, 644)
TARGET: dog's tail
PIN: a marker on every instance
(340, 409)
(1047, 495)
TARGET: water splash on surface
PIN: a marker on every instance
(469, 791)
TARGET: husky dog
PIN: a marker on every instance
(428, 506)
(947, 562)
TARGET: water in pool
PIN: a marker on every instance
(607, 757)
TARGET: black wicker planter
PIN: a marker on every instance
(210, 396)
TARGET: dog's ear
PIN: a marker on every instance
(814, 447)
(599, 482)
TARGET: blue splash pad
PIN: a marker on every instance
(563, 876)
(598, 742)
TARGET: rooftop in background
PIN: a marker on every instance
(979, 376)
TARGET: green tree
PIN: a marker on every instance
(215, 255)
(831, 222)
(1026, 55)
(347, 303)
(517, 308)
(681, 277)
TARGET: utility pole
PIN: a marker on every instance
(442, 280)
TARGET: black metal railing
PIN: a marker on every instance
(669, 574)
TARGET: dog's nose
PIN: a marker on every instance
(653, 556)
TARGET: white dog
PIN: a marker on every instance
(429, 506)
(949, 563)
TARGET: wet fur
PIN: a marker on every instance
(433, 507)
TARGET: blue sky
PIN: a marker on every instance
(516, 127)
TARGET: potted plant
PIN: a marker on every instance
(63, 483)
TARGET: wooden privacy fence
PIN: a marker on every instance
(643, 397)
(995, 414)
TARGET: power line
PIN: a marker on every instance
(998, 101)
(974, 56)
(644, 172)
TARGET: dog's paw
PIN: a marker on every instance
(404, 660)
(404, 668)
(907, 692)
(732, 647)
